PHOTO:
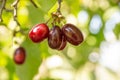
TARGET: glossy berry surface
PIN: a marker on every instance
(55, 37)
(39, 33)
(72, 34)
(19, 55)
(63, 43)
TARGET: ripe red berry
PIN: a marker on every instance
(55, 37)
(63, 43)
(39, 32)
(19, 55)
(72, 34)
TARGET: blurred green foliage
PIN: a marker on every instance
(76, 56)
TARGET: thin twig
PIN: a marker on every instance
(8, 10)
(33, 3)
(48, 20)
(59, 5)
(1, 9)
(15, 4)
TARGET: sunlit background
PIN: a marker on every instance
(97, 58)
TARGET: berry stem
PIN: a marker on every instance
(34, 3)
(2, 7)
(59, 6)
(15, 4)
(48, 20)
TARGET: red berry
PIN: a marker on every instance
(55, 37)
(39, 32)
(63, 43)
(72, 34)
(19, 55)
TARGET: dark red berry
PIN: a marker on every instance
(39, 32)
(72, 34)
(55, 37)
(63, 43)
(19, 55)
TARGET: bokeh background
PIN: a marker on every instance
(97, 58)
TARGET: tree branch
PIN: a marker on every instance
(33, 3)
(59, 5)
(8, 10)
(15, 4)
(2, 8)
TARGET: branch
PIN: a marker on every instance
(59, 5)
(8, 10)
(33, 3)
(2, 8)
(15, 4)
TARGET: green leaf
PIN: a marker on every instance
(36, 15)
(117, 30)
(33, 60)
(74, 6)
(10, 67)
(46, 5)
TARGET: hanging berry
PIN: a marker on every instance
(63, 43)
(39, 32)
(19, 55)
(72, 34)
(55, 37)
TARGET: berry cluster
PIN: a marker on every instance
(57, 37)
